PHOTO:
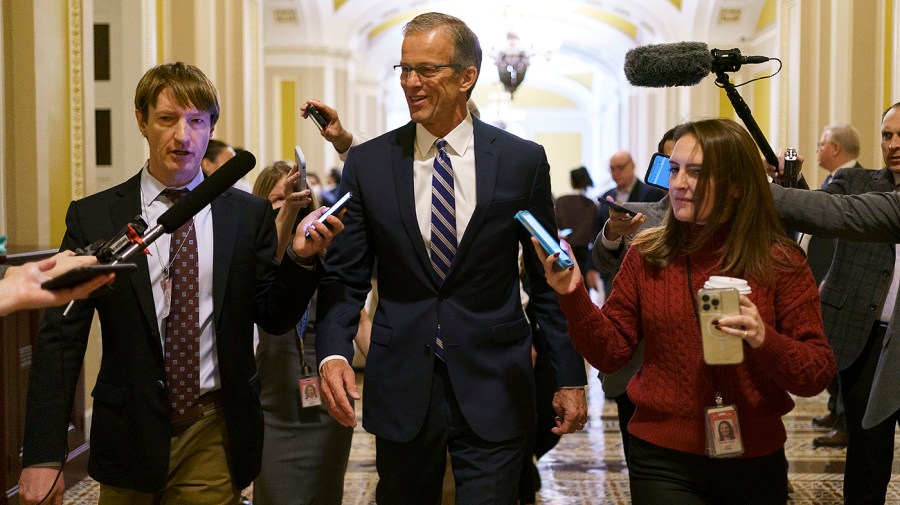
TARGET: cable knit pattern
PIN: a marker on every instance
(674, 385)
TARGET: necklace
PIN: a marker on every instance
(165, 267)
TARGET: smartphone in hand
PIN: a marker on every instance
(334, 209)
(550, 245)
(313, 113)
(615, 206)
(719, 348)
(300, 160)
(658, 172)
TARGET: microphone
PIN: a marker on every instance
(681, 63)
(190, 204)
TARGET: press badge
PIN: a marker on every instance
(309, 391)
(723, 432)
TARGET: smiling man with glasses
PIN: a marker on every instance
(449, 366)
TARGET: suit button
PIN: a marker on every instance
(161, 384)
(886, 273)
(427, 349)
(872, 308)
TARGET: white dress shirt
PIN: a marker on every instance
(153, 204)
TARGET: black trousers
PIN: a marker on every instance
(626, 409)
(413, 472)
(658, 475)
(870, 453)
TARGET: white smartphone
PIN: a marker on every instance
(338, 205)
(719, 348)
(300, 160)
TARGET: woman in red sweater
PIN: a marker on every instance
(722, 221)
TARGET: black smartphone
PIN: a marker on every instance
(78, 275)
(316, 116)
(615, 206)
(334, 209)
(658, 171)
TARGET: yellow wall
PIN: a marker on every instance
(564, 154)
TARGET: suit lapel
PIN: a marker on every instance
(402, 151)
(123, 210)
(224, 230)
(487, 162)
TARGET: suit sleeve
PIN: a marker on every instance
(567, 363)
(870, 217)
(348, 275)
(282, 291)
(57, 358)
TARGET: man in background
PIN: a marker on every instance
(838, 149)
(628, 189)
(217, 153)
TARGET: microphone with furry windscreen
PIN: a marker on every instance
(681, 63)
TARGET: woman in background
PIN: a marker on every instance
(721, 221)
(305, 451)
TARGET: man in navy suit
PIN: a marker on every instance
(158, 437)
(628, 189)
(449, 365)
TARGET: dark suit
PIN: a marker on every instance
(131, 428)
(852, 295)
(486, 336)
(640, 193)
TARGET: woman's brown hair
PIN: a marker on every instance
(742, 202)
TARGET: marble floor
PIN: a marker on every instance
(586, 468)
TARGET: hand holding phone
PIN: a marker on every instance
(334, 209)
(300, 160)
(550, 245)
(78, 275)
(313, 113)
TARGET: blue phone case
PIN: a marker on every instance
(547, 241)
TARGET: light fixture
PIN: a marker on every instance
(512, 63)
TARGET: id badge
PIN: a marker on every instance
(309, 392)
(723, 432)
(167, 296)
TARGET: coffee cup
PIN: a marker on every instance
(722, 282)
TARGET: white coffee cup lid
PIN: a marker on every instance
(721, 282)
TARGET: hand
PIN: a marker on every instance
(21, 287)
(320, 235)
(333, 132)
(294, 200)
(571, 410)
(621, 224)
(67, 260)
(339, 382)
(562, 281)
(748, 325)
(777, 175)
(35, 481)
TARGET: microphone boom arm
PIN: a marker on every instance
(743, 112)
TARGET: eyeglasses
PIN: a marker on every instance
(423, 71)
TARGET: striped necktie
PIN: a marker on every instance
(443, 213)
(443, 224)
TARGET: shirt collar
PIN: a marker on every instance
(457, 140)
(151, 188)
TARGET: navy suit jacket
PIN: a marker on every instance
(131, 430)
(486, 337)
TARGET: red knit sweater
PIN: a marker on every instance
(674, 385)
